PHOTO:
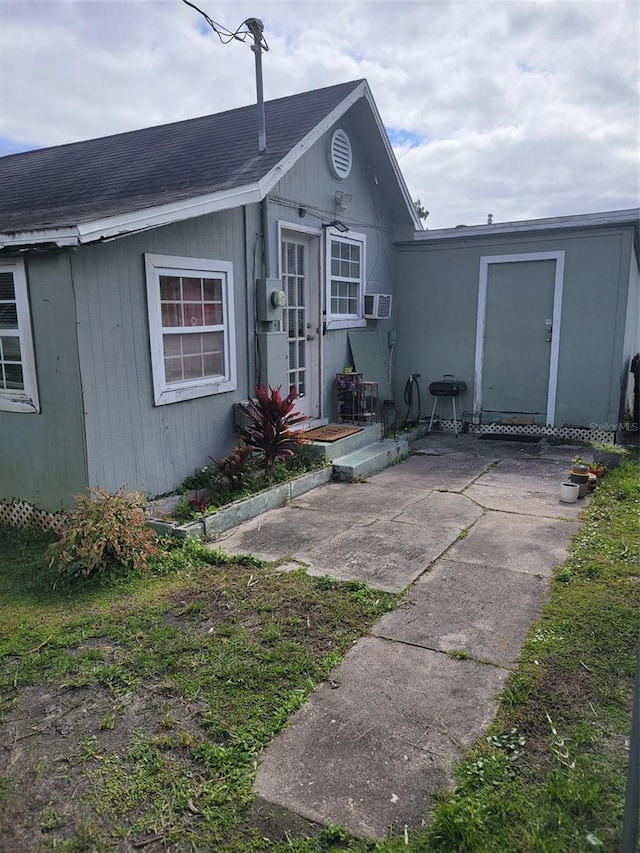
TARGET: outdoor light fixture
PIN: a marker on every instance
(341, 197)
(335, 223)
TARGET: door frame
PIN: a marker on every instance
(483, 283)
(315, 264)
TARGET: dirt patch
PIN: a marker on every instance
(145, 736)
(52, 739)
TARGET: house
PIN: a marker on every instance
(149, 280)
(142, 279)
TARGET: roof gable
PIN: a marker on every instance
(185, 168)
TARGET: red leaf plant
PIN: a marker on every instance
(271, 419)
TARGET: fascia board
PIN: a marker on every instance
(138, 220)
(63, 237)
(152, 217)
(587, 220)
(393, 161)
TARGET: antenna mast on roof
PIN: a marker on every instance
(254, 28)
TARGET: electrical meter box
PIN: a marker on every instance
(270, 299)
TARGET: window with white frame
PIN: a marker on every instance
(18, 385)
(191, 326)
(346, 263)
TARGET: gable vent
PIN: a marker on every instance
(340, 154)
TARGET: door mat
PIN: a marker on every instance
(500, 436)
(330, 433)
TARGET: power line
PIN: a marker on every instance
(225, 35)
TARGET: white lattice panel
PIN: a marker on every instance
(579, 433)
(23, 514)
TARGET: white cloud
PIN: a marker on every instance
(518, 108)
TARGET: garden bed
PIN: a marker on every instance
(215, 522)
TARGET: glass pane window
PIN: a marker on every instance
(192, 289)
(190, 301)
(8, 303)
(8, 316)
(18, 386)
(346, 277)
(192, 337)
(193, 355)
(170, 288)
(194, 303)
(11, 377)
(7, 287)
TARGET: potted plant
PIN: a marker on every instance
(597, 470)
(579, 475)
(608, 454)
(348, 388)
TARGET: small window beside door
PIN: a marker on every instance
(346, 264)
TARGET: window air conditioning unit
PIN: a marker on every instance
(377, 306)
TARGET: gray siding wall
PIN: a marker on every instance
(311, 184)
(42, 458)
(130, 441)
(437, 310)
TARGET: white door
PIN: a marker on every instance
(299, 259)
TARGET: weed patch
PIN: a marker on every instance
(152, 700)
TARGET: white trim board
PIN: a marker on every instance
(606, 219)
(481, 321)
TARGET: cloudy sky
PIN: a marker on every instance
(516, 108)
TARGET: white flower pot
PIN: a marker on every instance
(569, 492)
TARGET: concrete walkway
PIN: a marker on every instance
(472, 530)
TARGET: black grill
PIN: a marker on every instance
(447, 388)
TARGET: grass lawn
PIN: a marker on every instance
(132, 714)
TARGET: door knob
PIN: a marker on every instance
(311, 337)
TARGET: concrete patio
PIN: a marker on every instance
(469, 532)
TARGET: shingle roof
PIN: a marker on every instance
(82, 181)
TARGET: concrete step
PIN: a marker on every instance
(368, 460)
(330, 450)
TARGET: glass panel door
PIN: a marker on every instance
(300, 281)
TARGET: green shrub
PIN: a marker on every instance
(104, 532)
(200, 479)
